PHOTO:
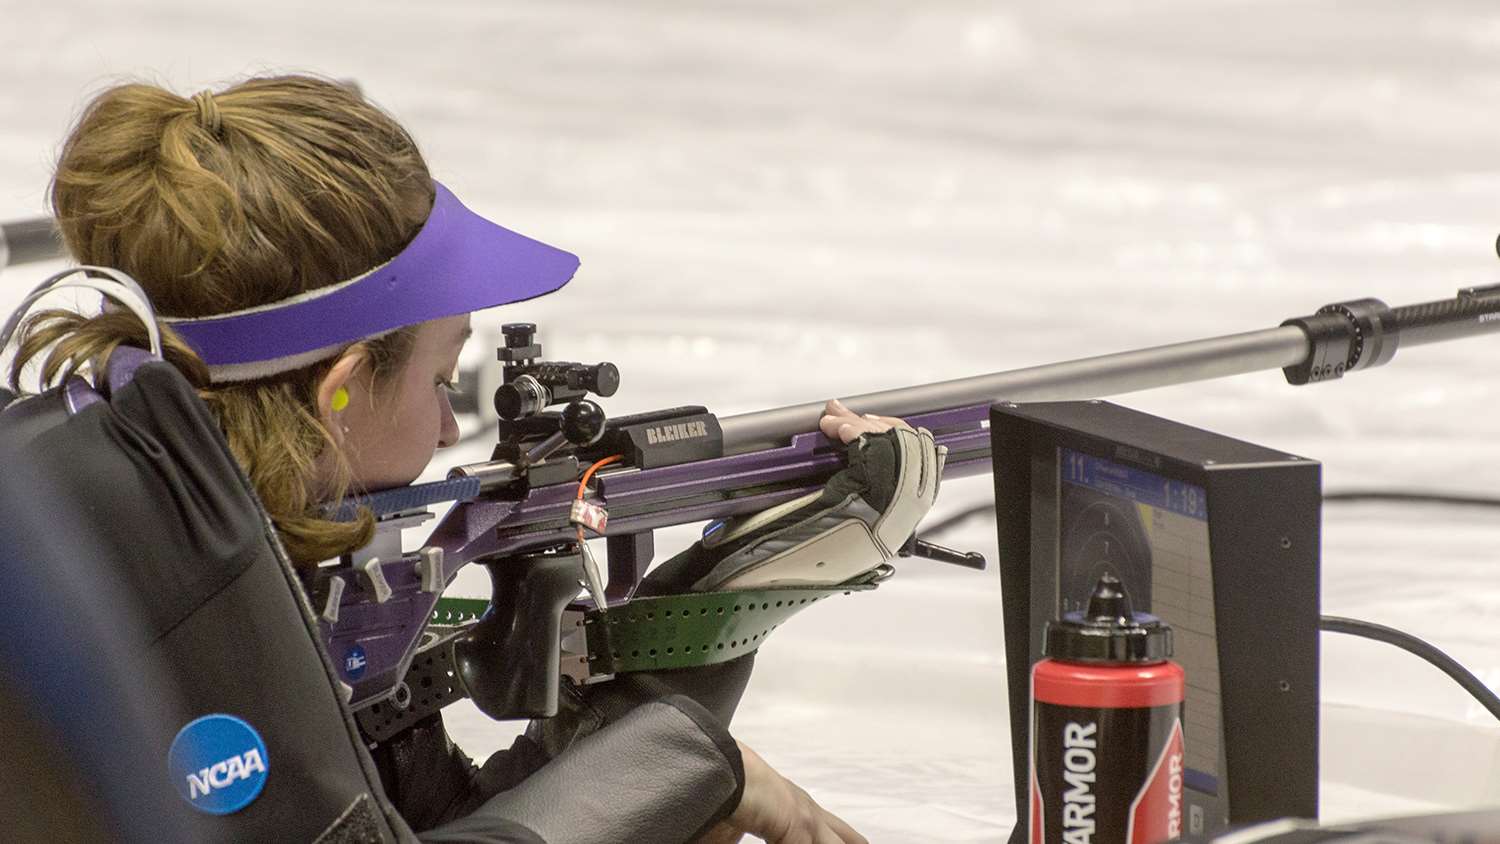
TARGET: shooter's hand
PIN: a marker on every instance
(842, 424)
(901, 474)
(776, 810)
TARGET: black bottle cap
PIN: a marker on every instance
(1108, 632)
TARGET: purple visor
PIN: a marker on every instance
(459, 262)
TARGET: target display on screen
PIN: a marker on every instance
(1151, 532)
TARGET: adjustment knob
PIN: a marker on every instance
(606, 380)
(518, 334)
(583, 422)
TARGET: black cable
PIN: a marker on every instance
(1407, 642)
(1411, 497)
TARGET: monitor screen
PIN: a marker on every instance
(1152, 533)
(1216, 536)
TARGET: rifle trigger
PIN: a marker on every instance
(593, 576)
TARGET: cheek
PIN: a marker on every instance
(418, 423)
(399, 440)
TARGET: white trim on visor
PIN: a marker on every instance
(231, 372)
(308, 296)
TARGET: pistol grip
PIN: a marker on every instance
(509, 661)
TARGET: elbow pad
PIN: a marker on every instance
(861, 519)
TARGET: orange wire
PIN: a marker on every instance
(583, 484)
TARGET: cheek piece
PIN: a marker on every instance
(459, 262)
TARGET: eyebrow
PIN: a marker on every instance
(464, 335)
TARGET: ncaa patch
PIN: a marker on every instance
(219, 764)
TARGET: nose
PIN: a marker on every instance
(448, 428)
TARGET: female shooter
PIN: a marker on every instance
(315, 285)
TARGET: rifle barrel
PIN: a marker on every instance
(1087, 378)
(1351, 335)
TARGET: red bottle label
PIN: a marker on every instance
(1107, 754)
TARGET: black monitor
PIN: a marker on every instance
(1217, 537)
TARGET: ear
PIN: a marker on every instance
(340, 376)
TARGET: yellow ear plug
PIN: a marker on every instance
(340, 399)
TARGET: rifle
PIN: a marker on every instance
(518, 513)
(381, 615)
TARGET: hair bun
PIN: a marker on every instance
(208, 112)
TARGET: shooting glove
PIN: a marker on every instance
(861, 519)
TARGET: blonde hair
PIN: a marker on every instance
(219, 202)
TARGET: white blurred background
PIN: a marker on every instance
(780, 202)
